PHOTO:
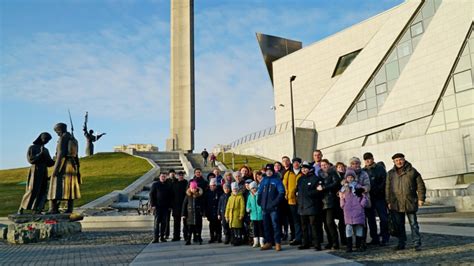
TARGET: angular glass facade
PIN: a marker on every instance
(374, 94)
(456, 108)
(344, 61)
(274, 48)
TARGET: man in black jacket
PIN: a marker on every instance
(179, 192)
(378, 176)
(160, 194)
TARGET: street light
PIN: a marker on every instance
(292, 78)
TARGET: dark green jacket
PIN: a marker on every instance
(404, 190)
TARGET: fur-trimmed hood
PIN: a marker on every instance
(199, 192)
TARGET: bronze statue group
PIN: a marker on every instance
(293, 201)
(64, 182)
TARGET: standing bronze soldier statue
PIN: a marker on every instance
(90, 137)
(37, 183)
(66, 178)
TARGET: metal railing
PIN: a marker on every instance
(282, 127)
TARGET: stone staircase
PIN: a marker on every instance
(197, 161)
(166, 161)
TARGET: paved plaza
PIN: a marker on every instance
(447, 239)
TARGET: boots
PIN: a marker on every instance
(277, 247)
(70, 206)
(266, 246)
(349, 244)
(255, 242)
(53, 207)
(360, 244)
(262, 242)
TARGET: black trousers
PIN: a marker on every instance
(160, 222)
(195, 230)
(330, 227)
(258, 228)
(215, 229)
(177, 227)
(226, 229)
(236, 236)
(312, 228)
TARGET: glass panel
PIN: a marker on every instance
(396, 132)
(428, 9)
(371, 103)
(362, 97)
(361, 106)
(464, 63)
(390, 85)
(465, 51)
(362, 115)
(402, 62)
(392, 70)
(464, 98)
(437, 3)
(381, 99)
(451, 115)
(466, 112)
(351, 118)
(370, 92)
(462, 81)
(449, 102)
(406, 36)
(438, 119)
(344, 61)
(416, 29)
(418, 18)
(392, 56)
(381, 88)
(415, 41)
(404, 49)
(471, 44)
(372, 112)
(450, 88)
(380, 77)
(426, 22)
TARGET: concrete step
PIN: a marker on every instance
(436, 209)
(147, 186)
(130, 205)
(144, 195)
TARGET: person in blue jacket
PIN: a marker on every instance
(270, 193)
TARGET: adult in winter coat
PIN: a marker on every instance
(353, 201)
(270, 193)
(221, 207)
(377, 176)
(192, 211)
(37, 183)
(179, 193)
(290, 180)
(329, 183)
(212, 202)
(310, 206)
(160, 194)
(234, 213)
(405, 191)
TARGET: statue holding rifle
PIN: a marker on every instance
(90, 137)
(66, 177)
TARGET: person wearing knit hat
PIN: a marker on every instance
(406, 192)
(192, 212)
(221, 207)
(270, 193)
(234, 214)
(255, 215)
(212, 201)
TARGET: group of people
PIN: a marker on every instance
(293, 200)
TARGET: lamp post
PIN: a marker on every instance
(292, 78)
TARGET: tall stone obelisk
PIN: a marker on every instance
(182, 76)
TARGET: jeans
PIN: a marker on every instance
(357, 228)
(159, 228)
(312, 228)
(270, 223)
(296, 221)
(204, 161)
(379, 206)
(415, 229)
(330, 227)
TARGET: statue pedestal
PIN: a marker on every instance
(32, 228)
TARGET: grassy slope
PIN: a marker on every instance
(101, 174)
(239, 160)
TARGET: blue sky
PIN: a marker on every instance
(111, 58)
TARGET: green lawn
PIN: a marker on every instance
(239, 160)
(101, 173)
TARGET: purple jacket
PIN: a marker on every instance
(353, 207)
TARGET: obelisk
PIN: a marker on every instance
(182, 77)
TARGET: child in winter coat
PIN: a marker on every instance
(255, 216)
(192, 211)
(221, 207)
(234, 214)
(353, 201)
